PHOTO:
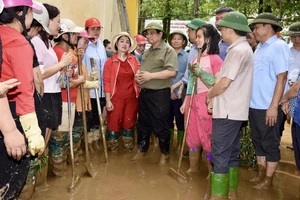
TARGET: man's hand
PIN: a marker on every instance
(142, 77)
(7, 85)
(286, 107)
(15, 144)
(210, 106)
(271, 115)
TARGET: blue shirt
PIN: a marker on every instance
(297, 110)
(99, 54)
(191, 57)
(182, 58)
(294, 65)
(223, 46)
(270, 59)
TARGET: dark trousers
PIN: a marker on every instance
(93, 116)
(13, 173)
(175, 112)
(296, 142)
(266, 139)
(225, 144)
(154, 111)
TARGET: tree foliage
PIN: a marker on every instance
(286, 10)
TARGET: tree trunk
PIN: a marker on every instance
(196, 5)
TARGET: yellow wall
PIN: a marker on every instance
(80, 10)
(133, 13)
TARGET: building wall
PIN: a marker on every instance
(80, 10)
(133, 13)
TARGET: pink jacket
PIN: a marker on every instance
(111, 70)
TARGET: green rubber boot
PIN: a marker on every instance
(233, 182)
(179, 141)
(112, 141)
(219, 186)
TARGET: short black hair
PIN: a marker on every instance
(223, 9)
(240, 33)
(106, 42)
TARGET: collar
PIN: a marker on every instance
(161, 44)
(235, 43)
(268, 42)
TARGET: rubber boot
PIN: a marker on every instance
(112, 142)
(219, 186)
(194, 154)
(260, 175)
(172, 138)
(128, 138)
(90, 142)
(233, 182)
(164, 159)
(179, 141)
(209, 165)
(58, 152)
(28, 189)
(139, 156)
(265, 184)
(41, 175)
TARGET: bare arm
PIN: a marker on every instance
(219, 88)
(292, 92)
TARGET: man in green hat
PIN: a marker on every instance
(293, 77)
(271, 63)
(159, 65)
(230, 97)
(220, 13)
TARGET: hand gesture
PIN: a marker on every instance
(66, 59)
(109, 106)
(7, 85)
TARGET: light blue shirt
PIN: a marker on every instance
(270, 59)
(192, 55)
(223, 46)
(294, 65)
(182, 58)
(99, 54)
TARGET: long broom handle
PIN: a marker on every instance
(69, 125)
(84, 124)
(189, 112)
(100, 115)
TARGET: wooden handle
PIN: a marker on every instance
(92, 64)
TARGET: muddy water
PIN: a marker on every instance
(123, 179)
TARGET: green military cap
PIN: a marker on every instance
(267, 18)
(196, 23)
(155, 26)
(236, 21)
(294, 29)
(181, 33)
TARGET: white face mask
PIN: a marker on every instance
(1, 6)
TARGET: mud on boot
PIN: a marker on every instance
(260, 174)
(233, 182)
(164, 159)
(194, 154)
(265, 184)
(112, 140)
(219, 186)
(128, 138)
(28, 189)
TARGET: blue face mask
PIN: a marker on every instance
(109, 54)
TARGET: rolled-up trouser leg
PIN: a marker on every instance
(58, 152)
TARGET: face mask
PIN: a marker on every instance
(109, 54)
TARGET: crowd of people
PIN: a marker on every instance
(229, 91)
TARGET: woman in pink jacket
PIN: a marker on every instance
(121, 91)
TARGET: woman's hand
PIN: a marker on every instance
(109, 106)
